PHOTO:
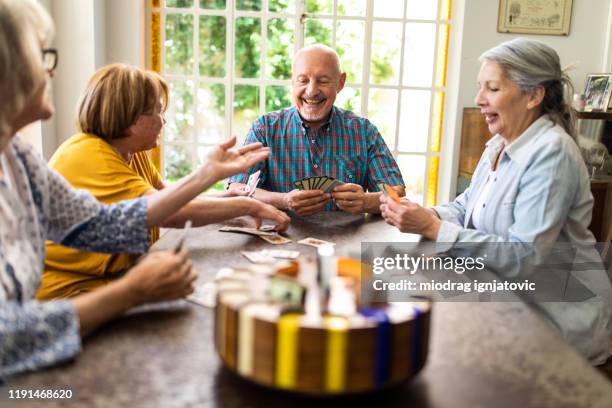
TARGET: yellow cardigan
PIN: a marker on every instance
(88, 162)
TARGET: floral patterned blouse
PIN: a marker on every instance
(36, 203)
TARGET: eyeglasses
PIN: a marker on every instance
(49, 59)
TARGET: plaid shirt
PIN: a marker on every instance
(347, 147)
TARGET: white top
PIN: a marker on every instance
(481, 201)
(7, 176)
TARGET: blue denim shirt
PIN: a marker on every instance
(541, 195)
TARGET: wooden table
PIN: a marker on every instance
(482, 354)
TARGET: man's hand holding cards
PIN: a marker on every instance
(306, 202)
(312, 194)
(350, 197)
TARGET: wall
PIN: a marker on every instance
(75, 41)
(31, 134)
(584, 45)
(91, 33)
(125, 22)
(587, 45)
(88, 35)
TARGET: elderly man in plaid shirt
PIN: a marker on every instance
(316, 138)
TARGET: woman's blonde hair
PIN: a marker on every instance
(116, 96)
(24, 27)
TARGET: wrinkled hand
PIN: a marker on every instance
(306, 202)
(262, 211)
(161, 276)
(409, 216)
(350, 198)
(225, 160)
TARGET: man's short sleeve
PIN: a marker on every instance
(382, 167)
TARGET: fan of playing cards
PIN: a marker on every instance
(251, 185)
(327, 184)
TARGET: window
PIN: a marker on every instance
(229, 61)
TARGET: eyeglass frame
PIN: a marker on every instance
(51, 51)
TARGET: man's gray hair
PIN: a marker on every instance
(24, 25)
(530, 64)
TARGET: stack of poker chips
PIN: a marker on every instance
(264, 332)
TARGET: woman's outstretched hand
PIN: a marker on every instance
(225, 160)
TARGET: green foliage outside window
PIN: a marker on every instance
(247, 59)
(212, 4)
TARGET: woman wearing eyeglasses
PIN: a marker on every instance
(37, 204)
(120, 117)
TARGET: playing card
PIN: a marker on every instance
(327, 185)
(252, 183)
(333, 185)
(319, 183)
(315, 242)
(267, 228)
(283, 253)
(275, 239)
(258, 257)
(322, 183)
(311, 182)
(246, 230)
(204, 295)
(392, 193)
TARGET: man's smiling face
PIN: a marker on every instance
(316, 80)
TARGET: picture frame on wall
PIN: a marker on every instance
(545, 17)
(597, 92)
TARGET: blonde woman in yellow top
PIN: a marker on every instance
(120, 117)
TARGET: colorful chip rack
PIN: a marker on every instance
(273, 344)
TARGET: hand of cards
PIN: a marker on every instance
(327, 184)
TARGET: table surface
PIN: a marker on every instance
(481, 354)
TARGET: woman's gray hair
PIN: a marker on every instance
(24, 26)
(530, 64)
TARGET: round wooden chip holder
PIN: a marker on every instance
(276, 345)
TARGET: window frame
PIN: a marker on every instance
(299, 18)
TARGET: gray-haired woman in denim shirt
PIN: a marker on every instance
(530, 193)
